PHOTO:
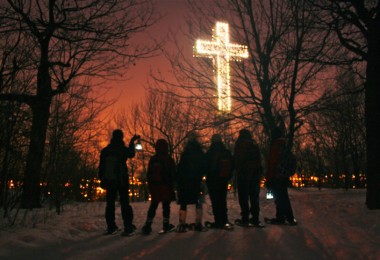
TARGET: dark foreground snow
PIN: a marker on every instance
(333, 224)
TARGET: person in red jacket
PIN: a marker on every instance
(161, 172)
(277, 181)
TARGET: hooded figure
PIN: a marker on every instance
(161, 172)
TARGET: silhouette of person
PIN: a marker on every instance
(248, 166)
(219, 171)
(277, 181)
(161, 173)
(191, 169)
(113, 174)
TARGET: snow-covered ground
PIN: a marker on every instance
(332, 224)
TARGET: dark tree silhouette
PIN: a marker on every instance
(357, 26)
(59, 41)
(337, 130)
(268, 88)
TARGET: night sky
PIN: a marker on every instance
(132, 90)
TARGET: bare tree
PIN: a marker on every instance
(163, 115)
(72, 127)
(269, 88)
(13, 115)
(12, 152)
(281, 38)
(60, 41)
(337, 129)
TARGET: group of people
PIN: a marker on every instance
(217, 164)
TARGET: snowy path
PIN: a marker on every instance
(333, 224)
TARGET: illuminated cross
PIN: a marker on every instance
(221, 51)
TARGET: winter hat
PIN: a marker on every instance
(216, 138)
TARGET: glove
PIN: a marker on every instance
(134, 138)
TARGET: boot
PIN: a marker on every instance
(244, 221)
(256, 222)
(147, 228)
(198, 221)
(166, 226)
(182, 221)
(129, 231)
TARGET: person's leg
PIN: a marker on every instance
(182, 213)
(243, 200)
(255, 200)
(214, 201)
(166, 210)
(288, 208)
(166, 216)
(110, 209)
(222, 205)
(126, 209)
(279, 201)
(198, 217)
(182, 218)
(152, 210)
(147, 228)
(255, 204)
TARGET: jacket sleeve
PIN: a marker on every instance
(130, 150)
(101, 168)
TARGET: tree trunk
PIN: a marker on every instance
(31, 188)
(372, 115)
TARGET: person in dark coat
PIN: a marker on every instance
(277, 181)
(113, 174)
(248, 166)
(219, 171)
(191, 169)
(160, 175)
